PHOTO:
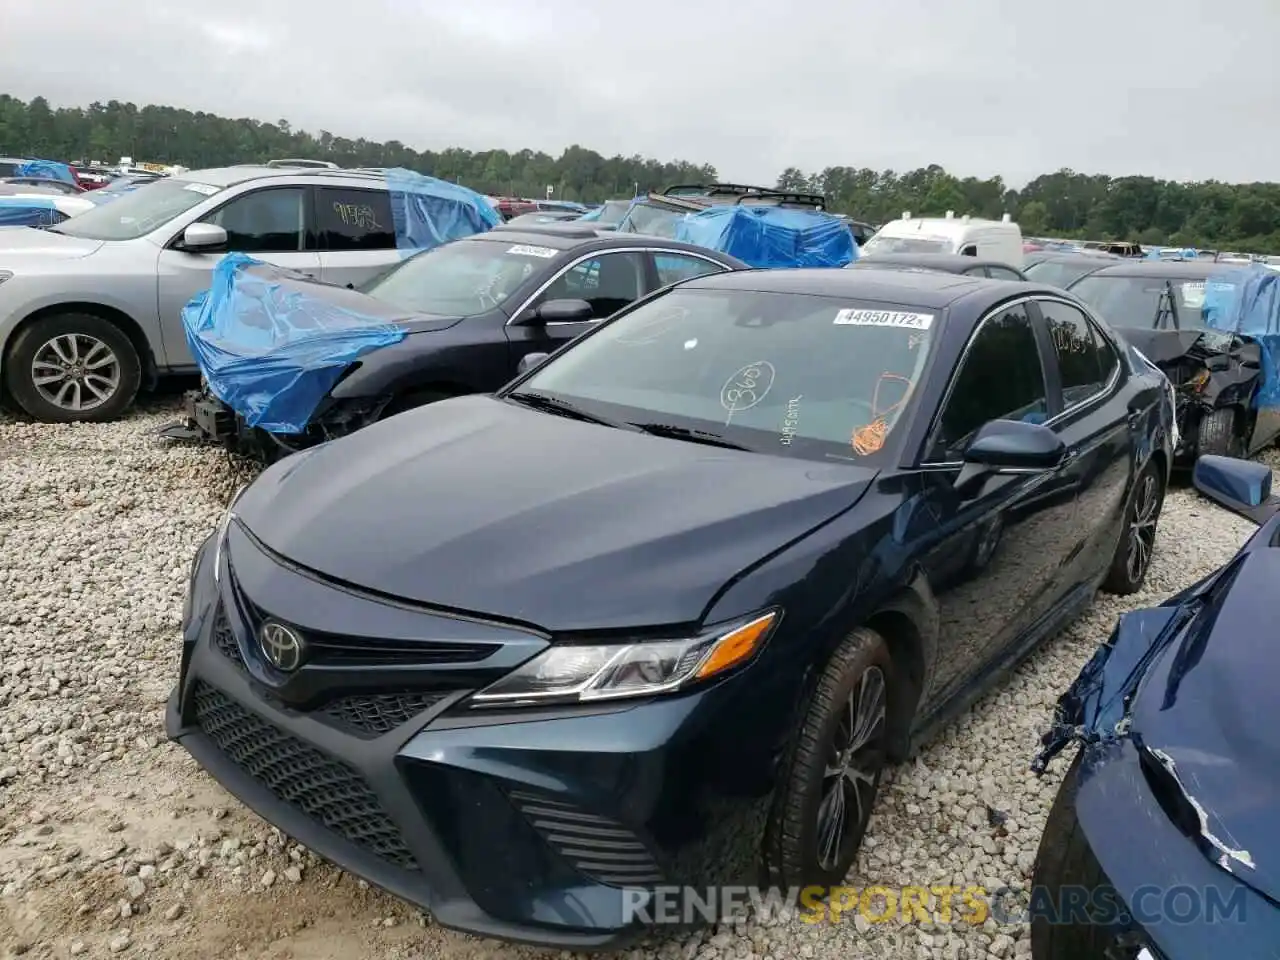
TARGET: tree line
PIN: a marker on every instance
(1207, 214)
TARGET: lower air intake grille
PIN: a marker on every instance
(601, 848)
(373, 714)
(324, 789)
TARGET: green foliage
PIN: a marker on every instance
(1062, 204)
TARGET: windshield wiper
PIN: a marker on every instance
(563, 408)
(684, 433)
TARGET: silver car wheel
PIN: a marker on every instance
(75, 372)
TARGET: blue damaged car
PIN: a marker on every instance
(1163, 842)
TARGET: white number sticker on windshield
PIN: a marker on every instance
(524, 250)
(1193, 294)
(747, 387)
(884, 318)
(201, 188)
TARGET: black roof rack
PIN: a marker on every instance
(710, 189)
(783, 198)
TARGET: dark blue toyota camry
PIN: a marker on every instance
(661, 610)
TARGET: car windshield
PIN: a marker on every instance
(651, 221)
(613, 212)
(1136, 301)
(791, 375)
(906, 245)
(138, 212)
(1059, 273)
(462, 278)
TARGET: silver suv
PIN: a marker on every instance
(92, 309)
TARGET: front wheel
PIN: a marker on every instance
(1132, 558)
(73, 367)
(825, 802)
(1219, 435)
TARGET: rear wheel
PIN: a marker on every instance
(1132, 558)
(825, 803)
(73, 367)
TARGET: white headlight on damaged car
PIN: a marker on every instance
(220, 533)
(580, 673)
(6, 275)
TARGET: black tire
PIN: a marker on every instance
(83, 327)
(793, 845)
(1128, 572)
(1065, 860)
(1219, 434)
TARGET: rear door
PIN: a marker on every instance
(355, 234)
(269, 223)
(1094, 424)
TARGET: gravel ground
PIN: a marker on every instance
(113, 843)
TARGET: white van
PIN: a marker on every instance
(999, 240)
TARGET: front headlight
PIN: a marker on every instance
(221, 532)
(574, 673)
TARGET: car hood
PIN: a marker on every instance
(482, 506)
(1192, 684)
(1207, 713)
(29, 243)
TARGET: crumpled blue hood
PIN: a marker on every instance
(1199, 676)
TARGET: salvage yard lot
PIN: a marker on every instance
(112, 842)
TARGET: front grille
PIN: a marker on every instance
(224, 640)
(597, 846)
(373, 714)
(322, 788)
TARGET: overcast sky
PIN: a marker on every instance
(1182, 89)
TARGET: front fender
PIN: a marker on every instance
(421, 359)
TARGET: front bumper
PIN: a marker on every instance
(1177, 905)
(551, 827)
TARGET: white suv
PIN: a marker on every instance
(92, 308)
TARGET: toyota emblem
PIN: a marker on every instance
(281, 646)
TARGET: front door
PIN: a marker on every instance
(608, 281)
(269, 224)
(992, 558)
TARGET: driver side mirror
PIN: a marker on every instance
(558, 311)
(1006, 447)
(1242, 486)
(203, 237)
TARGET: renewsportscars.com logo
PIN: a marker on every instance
(941, 904)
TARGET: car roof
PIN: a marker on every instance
(575, 236)
(231, 176)
(947, 262)
(931, 290)
(1160, 269)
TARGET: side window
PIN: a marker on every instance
(264, 221)
(1085, 359)
(970, 251)
(1002, 273)
(674, 267)
(608, 282)
(1001, 379)
(349, 219)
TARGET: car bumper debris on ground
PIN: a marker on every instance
(114, 843)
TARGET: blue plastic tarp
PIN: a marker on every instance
(269, 349)
(51, 169)
(428, 212)
(771, 237)
(592, 215)
(1246, 300)
(29, 212)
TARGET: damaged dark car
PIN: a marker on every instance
(289, 362)
(1162, 843)
(1212, 329)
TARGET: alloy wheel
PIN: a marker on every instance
(851, 774)
(76, 372)
(1142, 527)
